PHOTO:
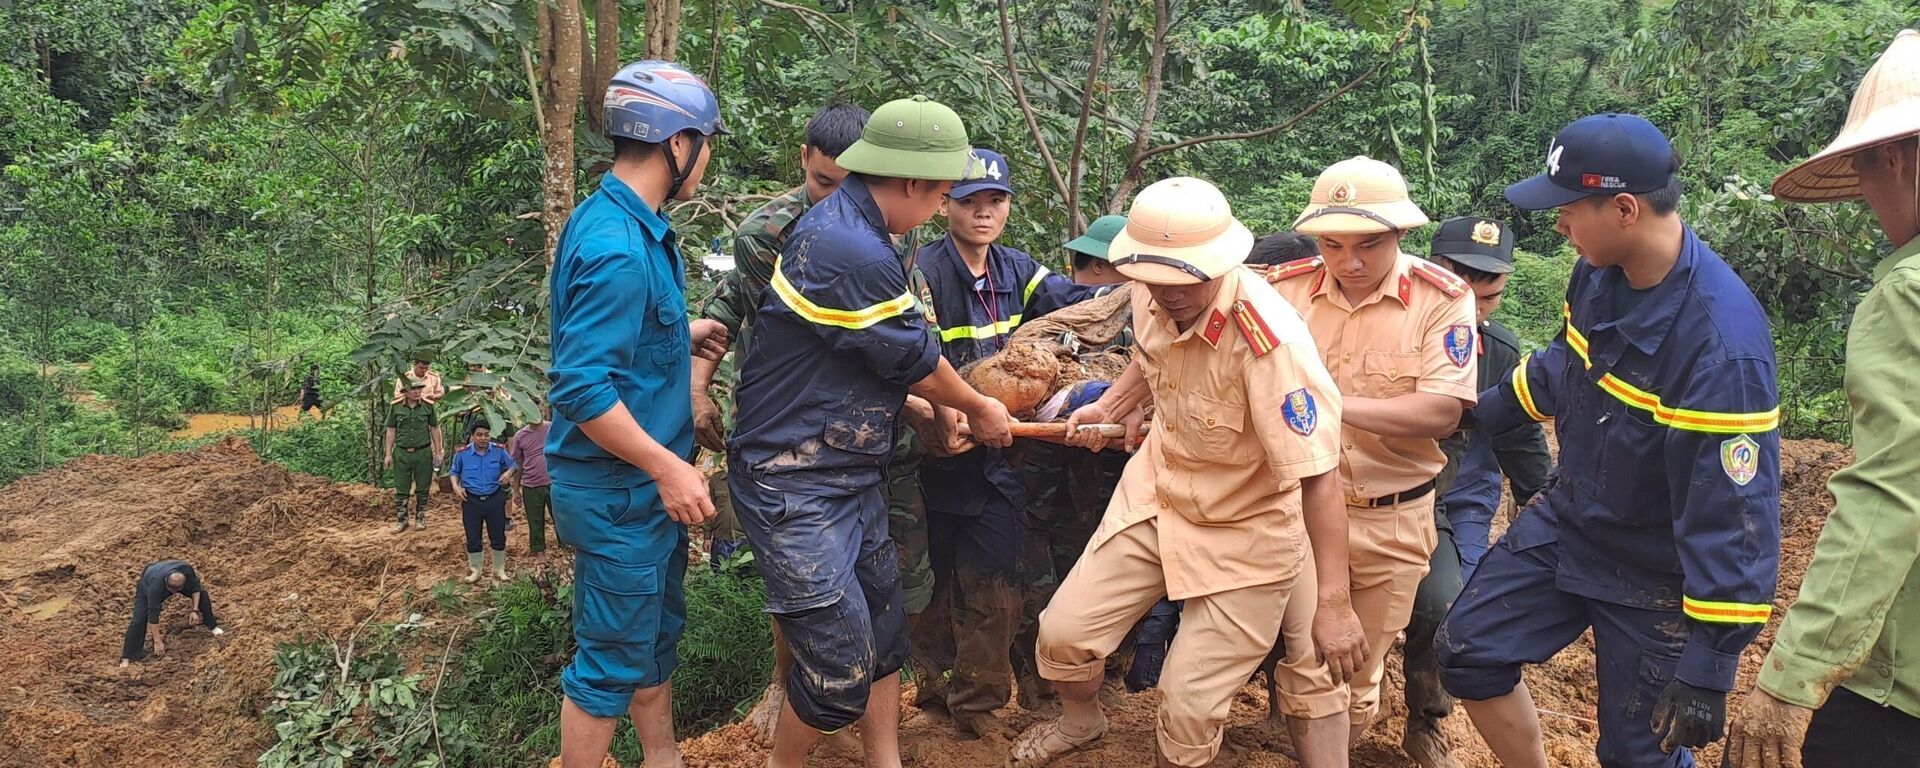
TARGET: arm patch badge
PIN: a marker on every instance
(1459, 341)
(1740, 459)
(1301, 414)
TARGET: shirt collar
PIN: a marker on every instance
(1886, 265)
(1221, 309)
(1398, 283)
(943, 250)
(862, 200)
(1647, 325)
(622, 195)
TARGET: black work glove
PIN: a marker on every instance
(1686, 716)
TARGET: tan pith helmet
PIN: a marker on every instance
(1180, 231)
(1886, 108)
(1358, 196)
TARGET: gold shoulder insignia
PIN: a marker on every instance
(1448, 282)
(1296, 268)
(1259, 337)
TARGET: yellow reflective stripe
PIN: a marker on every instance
(853, 319)
(1034, 284)
(1726, 613)
(1523, 392)
(981, 332)
(1712, 422)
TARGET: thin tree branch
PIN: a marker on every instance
(1076, 223)
(802, 10)
(1026, 108)
(1143, 135)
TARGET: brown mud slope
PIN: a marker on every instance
(1563, 687)
(284, 555)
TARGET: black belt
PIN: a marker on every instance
(1387, 501)
(415, 448)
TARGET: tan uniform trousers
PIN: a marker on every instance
(1388, 548)
(1223, 637)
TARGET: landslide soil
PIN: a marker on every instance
(284, 555)
(287, 555)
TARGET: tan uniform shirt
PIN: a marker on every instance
(431, 393)
(1416, 333)
(1243, 410)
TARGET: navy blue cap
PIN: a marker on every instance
(985, 170)
(1599, 155)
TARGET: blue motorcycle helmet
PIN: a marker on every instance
(652, 101)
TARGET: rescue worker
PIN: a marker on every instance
(839, 344)
(158, 582)
(1661, 528)
(1397, 333)
(1240, 463)
(1067, 491)
(420, 372)
(481, 472)
(414, 428)
(981, 291)
(619, 446)
(1480, 251)
(1841, 685)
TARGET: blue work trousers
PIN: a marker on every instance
(629, 605)
(1512, 613)
(820, 542)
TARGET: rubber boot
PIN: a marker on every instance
(400, 512)
(475, 561)
(500, 564)
(400, 527)
(420, 513)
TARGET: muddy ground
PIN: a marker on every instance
(286, 555)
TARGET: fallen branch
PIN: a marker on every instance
(345, 660)
(1575, 718)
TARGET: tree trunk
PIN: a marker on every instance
(1150, 106)
(663, 29)
(606, 61)
(559, 40)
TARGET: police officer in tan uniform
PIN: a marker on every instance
(1397, 334)
(1237, 470)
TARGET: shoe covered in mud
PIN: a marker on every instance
(980, 725)
(766, 714)
(1046, 742)
(500, 564)
(473, 576)
(1427, 746)
(399, 527)
(476, 562)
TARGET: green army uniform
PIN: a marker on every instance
(1856, 623)
(412, 427)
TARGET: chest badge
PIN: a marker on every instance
(1459, 342)
(1740, 458)
(1301, 415)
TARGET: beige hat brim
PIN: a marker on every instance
(1829, 176)
(1403, 215)
(1214, 257)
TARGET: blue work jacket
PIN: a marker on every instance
(975, 315)
(479, 473)
(619, 334)
(1667, 495)
(837, 340)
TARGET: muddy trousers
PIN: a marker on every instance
(489, 510)
(412, 474)
(134, 647)
(1513, 613)
(1223, 637)
(1427, 700)
(977, 555)
(833, 584)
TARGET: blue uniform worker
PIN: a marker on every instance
(976, 501)
(838, 339)
(1661, 529)
(620, 337)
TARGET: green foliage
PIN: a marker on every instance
(372, 714)
(1535, 295)
(333, 448)
(726, 654)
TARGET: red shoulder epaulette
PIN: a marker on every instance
(1448, 282)
(1216, 323)
(1255, 329)
(1295, 268)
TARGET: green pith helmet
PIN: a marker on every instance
(1098, 236)
(916, 138)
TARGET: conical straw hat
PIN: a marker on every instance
(1886, 107)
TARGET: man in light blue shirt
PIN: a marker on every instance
(480, 470)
